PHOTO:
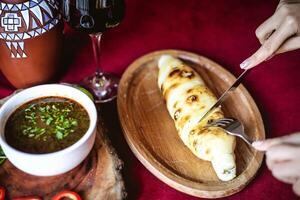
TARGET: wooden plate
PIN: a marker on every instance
(151, 134)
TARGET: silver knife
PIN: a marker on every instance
(236, 83)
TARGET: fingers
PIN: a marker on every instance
(283, 157)
(270, 46)
(286, 171)
(291, 44)
(281, 154)
(264, 31)
(284, 162)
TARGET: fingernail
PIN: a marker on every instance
(245, 64)
(257, 143)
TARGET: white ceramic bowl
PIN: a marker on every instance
(58, 162)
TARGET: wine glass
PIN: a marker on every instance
(94, 17)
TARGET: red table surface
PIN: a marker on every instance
(220, 30)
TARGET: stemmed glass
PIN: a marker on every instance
(94, 17)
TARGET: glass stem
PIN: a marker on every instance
(96, 41)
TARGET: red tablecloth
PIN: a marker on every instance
(220, 30)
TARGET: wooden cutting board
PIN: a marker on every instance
(98, 177)
(151, 134)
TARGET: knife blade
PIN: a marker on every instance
(223, 97)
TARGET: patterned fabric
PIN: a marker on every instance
(19, 22)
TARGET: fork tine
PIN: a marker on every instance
(225, 120)
(216, 123)
(221, 124)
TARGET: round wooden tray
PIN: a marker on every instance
(151, 134)
(98, 177)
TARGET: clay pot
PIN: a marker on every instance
(30, 41)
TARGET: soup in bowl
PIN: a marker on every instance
(48, 130)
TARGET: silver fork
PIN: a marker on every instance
(232, 126)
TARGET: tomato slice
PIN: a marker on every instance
(2, 193)
(28, 198)
(67, 194)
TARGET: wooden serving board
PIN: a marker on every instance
(151, 134)
(98, 177)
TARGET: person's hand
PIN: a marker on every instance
(283, 158)
(280, 33)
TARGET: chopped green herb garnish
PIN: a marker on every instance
(59, 135)
(46, 125)
(54, 118)
(49, 120)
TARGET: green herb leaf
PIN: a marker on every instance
(49, 120)
(59, 135)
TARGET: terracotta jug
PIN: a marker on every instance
(30, 40)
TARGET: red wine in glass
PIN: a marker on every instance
(94, 17)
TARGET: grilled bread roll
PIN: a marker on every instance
(188, 99)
